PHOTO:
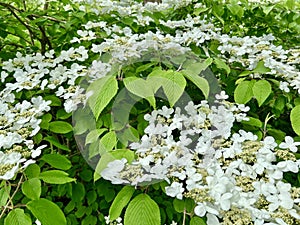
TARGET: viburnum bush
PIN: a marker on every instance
(148, 113)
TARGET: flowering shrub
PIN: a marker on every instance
(149, 113)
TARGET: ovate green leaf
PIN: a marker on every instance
(107, 142)
(236, 10)
(141, 88)
(104, 89)
(142, 210)
(17, 217)
(57, 161)
(197, 221)
(261, 91)
(295, 119)
(222, 65)
(252, 122)
(60, 127)
(200, 82)
(102, 164)
(121, 200)
(260, 68)
(56, 177)
(47, 212)
(52, 140)
(243, 92)
(93, 135)
(197, 68)
(32, 188)
(4, 195)
(172, 82)
(33, 170)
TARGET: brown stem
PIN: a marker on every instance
(11, 198)
(12, 9)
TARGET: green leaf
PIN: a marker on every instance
(261, 91)
(280, 103)
(267, 9)
(45, 121)
(277, 134)
(141, 88)
(104, 89)
(252, 122)
(197, 221)
(56, 177)
(107, 142)
(260, 68)
(197, 68)
(290, 4)
(60, 127)
(200, 82)
(94, 135)
(243, 92)
(55, 101)
(142, 210)
(236, 10)
(32, 171)
(32, 188)
(222, 65)
(17, 217)
(78, 192)
(179, 205)
(57, 161)
(69, 207)
(47, 212)
(62, 114)
(144, 67)
(121, 200)
(123, 153)
(91, 197)
(4, 195)
(295, 119)
(172, 82)
(52, 140)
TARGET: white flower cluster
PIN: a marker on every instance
(233, 177)
(19, 121)
(59, 74)
(18, 124)
(249, 51)
(130, 7)
(124, 45)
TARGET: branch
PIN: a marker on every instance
(48, 17)
(13, 195)
(12, 9)
(45, 40)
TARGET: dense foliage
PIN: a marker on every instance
(137, 112)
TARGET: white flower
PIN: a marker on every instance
(175, 190)
(284, 86)
(202, 208)
(35, 153)
(37, 222)
(222, 96)
(212, 219)
(289, 144)
(111, 172)
(3, 76)
(288, 165)
(27, 163)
